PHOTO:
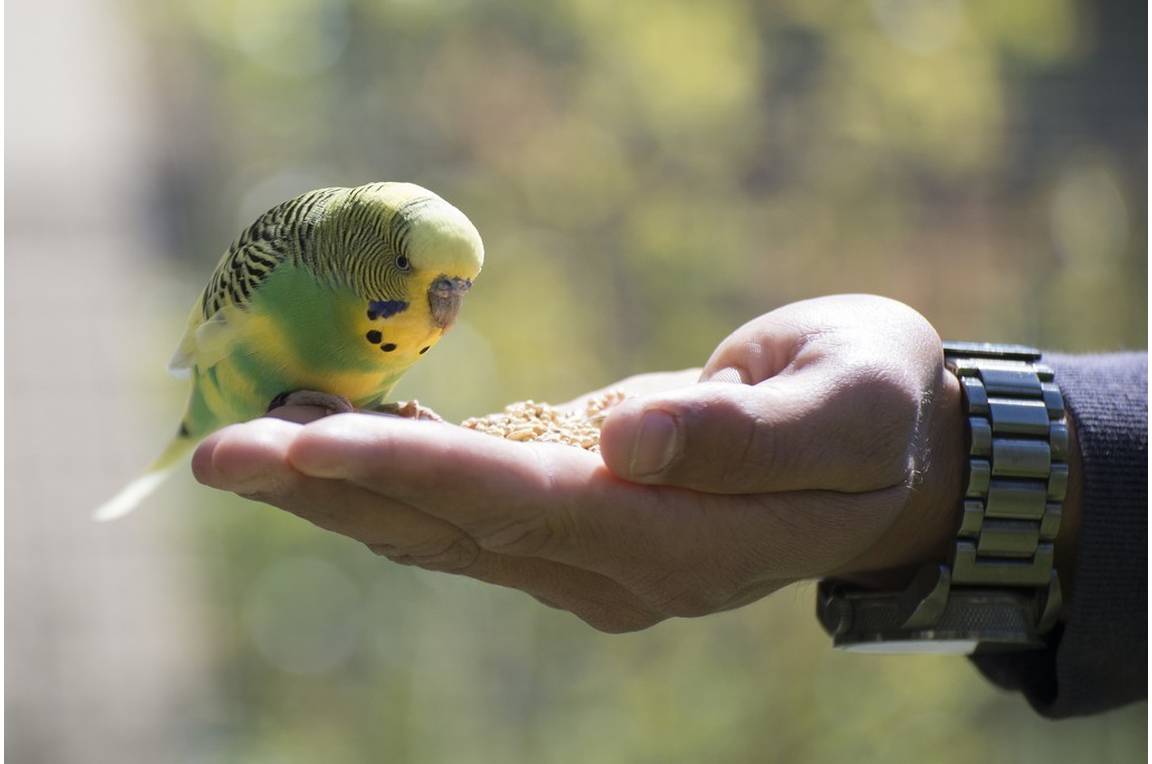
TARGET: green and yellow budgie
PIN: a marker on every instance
(326, 299)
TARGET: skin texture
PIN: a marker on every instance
(821, 439)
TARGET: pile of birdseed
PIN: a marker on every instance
(528, 420)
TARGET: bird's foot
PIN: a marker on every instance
(409, 410)
(333, 404)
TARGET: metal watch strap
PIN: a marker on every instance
(1000, 590)
(1017, 470)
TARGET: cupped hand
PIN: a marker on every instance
(823, 438)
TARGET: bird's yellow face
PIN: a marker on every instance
(427, 257)
(401, 242)
(446, 255)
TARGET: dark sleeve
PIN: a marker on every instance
(1098, 658)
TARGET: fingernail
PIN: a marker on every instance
(657, 441)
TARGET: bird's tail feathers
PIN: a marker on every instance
(132, 494)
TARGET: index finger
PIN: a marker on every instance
(640, 384)
(524, 499)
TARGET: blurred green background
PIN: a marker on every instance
(646, 176)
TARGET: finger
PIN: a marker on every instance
(249, 454)
(772, 537)
(758, 350)
(639, 384)
(244, 458)
(817, 428)
(252, 458)
(523, 499)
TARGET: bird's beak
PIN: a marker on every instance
(444, 298)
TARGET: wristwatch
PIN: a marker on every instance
(998, 590)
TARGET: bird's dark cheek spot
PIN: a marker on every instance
(376, 337)
(385, 308)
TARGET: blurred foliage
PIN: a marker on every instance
(646, 176)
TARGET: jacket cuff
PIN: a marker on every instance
(1097, 658)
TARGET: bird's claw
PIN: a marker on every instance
(333, 404)
(409, 410)
(338, 404)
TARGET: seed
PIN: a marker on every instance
(529, 420)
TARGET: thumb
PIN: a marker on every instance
(793, 431)
(708, 436)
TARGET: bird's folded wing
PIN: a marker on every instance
(206, 343)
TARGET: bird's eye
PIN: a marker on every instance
(402, 263)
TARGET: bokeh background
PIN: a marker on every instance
(647, 176)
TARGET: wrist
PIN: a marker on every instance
(925, 528)
(1012, 528)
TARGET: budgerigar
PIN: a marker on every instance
(336, 292)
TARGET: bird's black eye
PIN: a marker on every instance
(402, 263)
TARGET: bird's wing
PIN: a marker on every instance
(222, 309)
(184, 358)
(219, 314)
(205, 342)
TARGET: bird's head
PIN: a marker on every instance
(411, 245)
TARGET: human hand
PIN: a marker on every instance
(825, 438)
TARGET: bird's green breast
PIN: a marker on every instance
(298, 333)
